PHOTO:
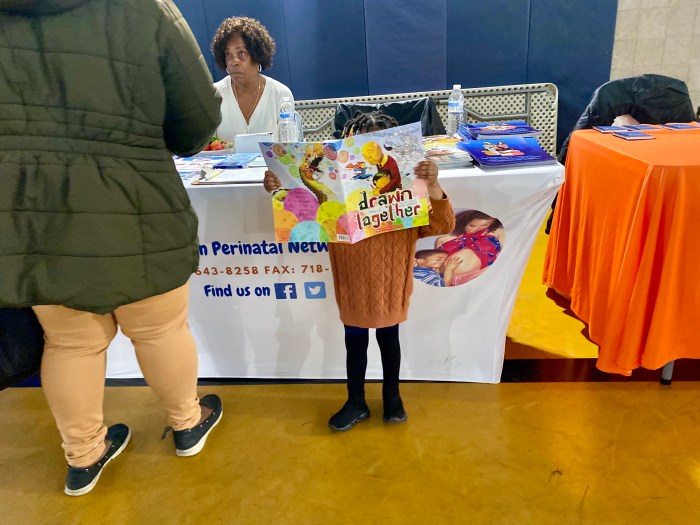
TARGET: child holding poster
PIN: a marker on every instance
(373, 281)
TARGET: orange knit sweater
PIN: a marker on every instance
(373, 279)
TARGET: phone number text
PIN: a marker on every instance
(261, 270)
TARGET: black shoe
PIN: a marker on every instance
(80, 481)
(191, 441)
(394, 411)
(348, 416)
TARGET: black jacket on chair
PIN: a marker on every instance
(649, 99)
(421, 110)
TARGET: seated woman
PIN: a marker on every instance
(472, 246)
(250, 101)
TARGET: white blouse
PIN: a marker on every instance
(264, 118)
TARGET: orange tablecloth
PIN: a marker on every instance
(625, 244)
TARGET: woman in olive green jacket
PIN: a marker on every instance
(96, 229)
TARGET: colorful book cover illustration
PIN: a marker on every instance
(347, 190)
(511, 151)
(495, 130)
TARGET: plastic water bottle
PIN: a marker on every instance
(455, 110)
(288, 126)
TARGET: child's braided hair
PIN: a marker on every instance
(363, 122)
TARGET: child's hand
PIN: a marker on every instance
(453, 261)
(271, 182)
(451, 265)
(428, 171)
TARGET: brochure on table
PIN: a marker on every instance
(511, 151)
(233, 168)
(633, 135)
(443, 150)
(497, 130)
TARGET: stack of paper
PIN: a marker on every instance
(508, 152)
(443, 150)
(497, 130)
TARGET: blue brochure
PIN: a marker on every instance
(511, 151)
(633, 135)
(644, 127)
(609, 129)
(236, 161)
(681, 125)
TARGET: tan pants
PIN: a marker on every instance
(74, 365)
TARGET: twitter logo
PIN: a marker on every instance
(315, 290)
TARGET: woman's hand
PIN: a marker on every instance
(271, 182)
(428, 171)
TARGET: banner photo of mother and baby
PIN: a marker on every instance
(462, 255)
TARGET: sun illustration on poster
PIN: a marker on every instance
(463, 254)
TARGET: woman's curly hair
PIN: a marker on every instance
(256, 38)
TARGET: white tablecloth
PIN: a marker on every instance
(261, 331)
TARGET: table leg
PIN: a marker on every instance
(667, 373)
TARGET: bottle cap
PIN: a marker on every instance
(457, 86)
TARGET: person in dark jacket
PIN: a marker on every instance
(644, 99)
(96, 229)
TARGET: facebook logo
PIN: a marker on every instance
(285, 290)
(315, 290)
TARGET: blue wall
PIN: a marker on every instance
(345, 48)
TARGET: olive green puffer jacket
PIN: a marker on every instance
(94, 97)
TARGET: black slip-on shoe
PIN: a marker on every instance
(191, 441)
(394, 411)
(80, 481)
(348, 416)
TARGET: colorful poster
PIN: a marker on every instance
(347, 190)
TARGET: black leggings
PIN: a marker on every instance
(356, 342)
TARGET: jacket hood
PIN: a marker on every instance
(38, 7)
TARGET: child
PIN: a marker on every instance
(373, 284)
(429, 266)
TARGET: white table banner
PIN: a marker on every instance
(262, 309)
